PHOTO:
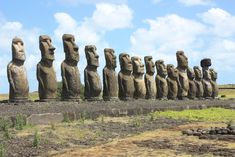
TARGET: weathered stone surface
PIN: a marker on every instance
(45, 118)
(192, 85)
(125, 78)
(69, 70)
(198, 82)
(215, 89)
(138, 72)
(150, 84)
(91, 77)
(206, 81)
(16, 73)
(172, 82)
(183, 82)
(161, 82)
(110, 81)
(46, 75)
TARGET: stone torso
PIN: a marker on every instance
(192, 89)
(207, 88)
(20, 81)
(47, 90)
(172, 88)
(183, 84)
(140, 90)
(199, 89)
(110, 84)
(126, 86)
(72, 78)
(162, 87)
(92, 83)
(150, 85)
(215, 89)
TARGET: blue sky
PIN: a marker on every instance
(202, 28)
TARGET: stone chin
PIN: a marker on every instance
(95, 63)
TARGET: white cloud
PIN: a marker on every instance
(77, 2)
(222, 23)
(165, 35)
(213, 36)
(196, 2)
(92, 30)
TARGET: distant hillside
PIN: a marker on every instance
(227, 86)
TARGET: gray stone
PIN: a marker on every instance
(215, 89)
(161, 82)
(150, 84)
(183, 83)
(110, 81)
(198, 82)
(69, 70)
(46, 75)
(91, 77)
(45, 118)
(206, 81)
(138, 72)
(16, 73)
(172, 82)
(192, 86)
(125, 78)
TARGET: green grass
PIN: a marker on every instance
(211, 114)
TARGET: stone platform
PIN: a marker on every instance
(51, 112)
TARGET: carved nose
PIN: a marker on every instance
(52, 48)
(75, 48)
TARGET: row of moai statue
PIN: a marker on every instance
(130, 83)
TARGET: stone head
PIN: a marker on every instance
(213, 74)
(125, 62)
(206, 74)
(190, 73)
(205, 63)
(182, 60)
(18, 49)
(172, 71)
(149, 64)
(91, 55)
(110, 58)
(138, 66)
(198, 72)
(70, 48)
(161, 68)
(46, 47)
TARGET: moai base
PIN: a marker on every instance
(161, 82)
(69, 70)
(138, 72)
(46, 75)
(110, 81)
(16, 73)
(91, 76)
(183, 83)
(172, 82)
(150, 84)
(198, 82)
(125, 78)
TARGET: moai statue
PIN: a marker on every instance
(150, 84)
(69, 70)
(46, 75)
(91, 76)
(215, 89)
(198, 82)
(125, 78)
(206, 81)
(183, 83)
(138, 72)
(192, 85)
(110, 82)
(161, 82)
(16, 73)
(172, 82)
